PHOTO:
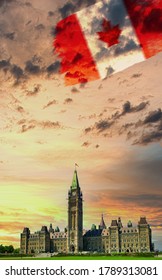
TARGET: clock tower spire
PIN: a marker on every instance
(75, 216)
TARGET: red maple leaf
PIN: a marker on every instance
(110, 34)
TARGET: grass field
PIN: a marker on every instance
(85, 258)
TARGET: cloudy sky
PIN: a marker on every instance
(111, 127)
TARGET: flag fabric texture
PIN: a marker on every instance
(108, 37)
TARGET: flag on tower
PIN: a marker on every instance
(108, 37)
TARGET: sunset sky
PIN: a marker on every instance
(112, 128)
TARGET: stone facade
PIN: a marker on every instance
(113, 239)
(35, 242)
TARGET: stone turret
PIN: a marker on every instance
(102, 223)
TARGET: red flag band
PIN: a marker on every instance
(146, 17)
(77, 62)
(108, 37)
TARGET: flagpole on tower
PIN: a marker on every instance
(76, 166)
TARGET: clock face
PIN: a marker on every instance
(74, 193)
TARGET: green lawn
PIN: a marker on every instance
(85, 258)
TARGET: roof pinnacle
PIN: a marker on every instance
(75, 181)
(102, 223)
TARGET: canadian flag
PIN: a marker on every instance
(108, 37)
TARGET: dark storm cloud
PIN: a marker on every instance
(104, 52)
(136, 75)
(139, 172)
(10, 35)
(37, 88)
(74, 90)
(125, 127)
(103, 125)
(86, 144)
(145, 200)
(141, 106)
(87, 130)
(128, 108)
(153, 132)
(160, 126)
(67, 9)
(109, 70)
(50, 14)
(96, 25)
(68, 100)
(131, 134)
(28, 4)
(17, 72)
(115, 12)
(53, 31)
(36, 59)
(4, 64)
(53, 68)
(32, 124)
(149, 137)
(85, 3)
(148, 169)
(74, 6)
(40, 27)
(126, 47)
(32, 68)
(153, 116)
(4, 2)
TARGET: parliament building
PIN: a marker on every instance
(74, 239)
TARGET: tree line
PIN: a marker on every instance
(8, 249)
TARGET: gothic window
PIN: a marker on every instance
(73, 221)
(72, 235)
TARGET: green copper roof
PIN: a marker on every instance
(75, 182)
(93, 227)
(57, 229)
(129, 224)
